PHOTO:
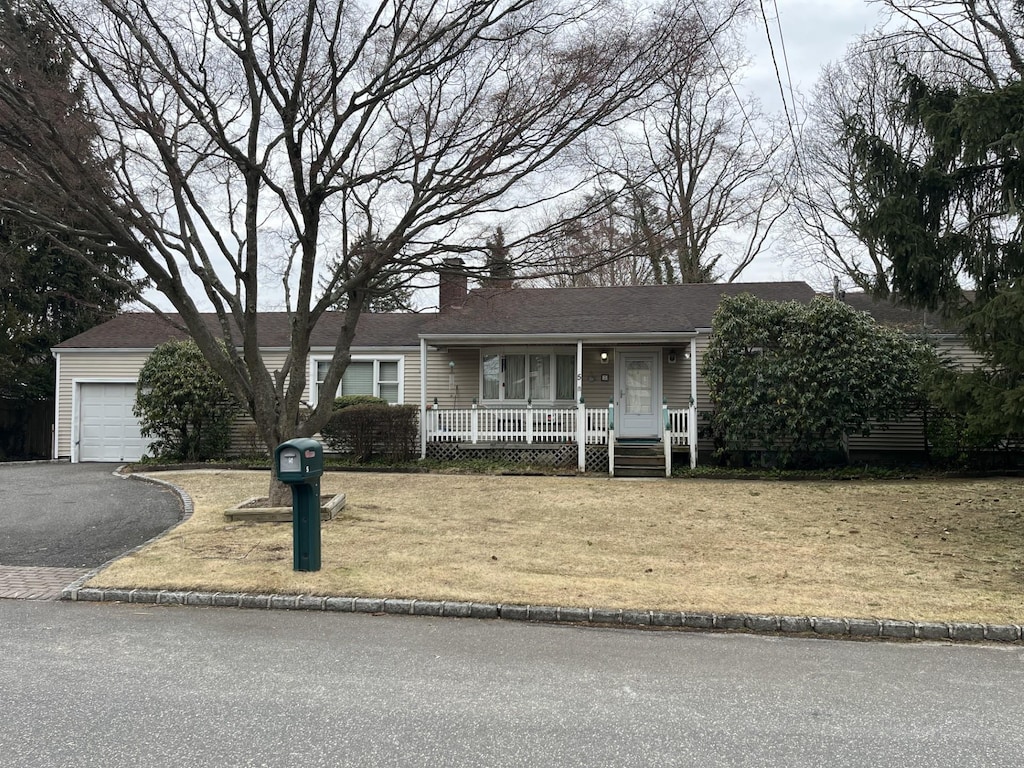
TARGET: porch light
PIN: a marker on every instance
(686, 354)
(451, 365)
(604, 356)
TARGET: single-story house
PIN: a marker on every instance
(598, 378)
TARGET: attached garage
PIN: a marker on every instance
(107, 428)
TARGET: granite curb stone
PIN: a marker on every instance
(457, 609)
(864, 627)
(727, 621)
(932, 630)
(898, 629)
(1003, 633)
(426, 607)
(667, 618)
(822, 626)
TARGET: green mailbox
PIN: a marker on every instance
(300, 464)
(299, 461)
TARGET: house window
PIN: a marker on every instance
(380, 377)
(540, 375)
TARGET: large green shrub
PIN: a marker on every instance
(183, 404)
(791, 380)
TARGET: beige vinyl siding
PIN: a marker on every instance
(908, 434)
(597, 393)
(118, 365)
(453, 388)
(956, 350)
(705, 447)
(95, 366)
(905, 435)
(676, 377)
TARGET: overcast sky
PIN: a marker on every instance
(813, 33)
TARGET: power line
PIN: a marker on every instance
(728, 78)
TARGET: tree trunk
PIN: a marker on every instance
(279, 495)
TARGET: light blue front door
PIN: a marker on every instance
(638, 380)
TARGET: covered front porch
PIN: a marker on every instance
(551, 429)
(594, 405)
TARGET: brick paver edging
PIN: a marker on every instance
(742, 622)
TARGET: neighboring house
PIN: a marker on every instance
(597, 378)
(907, 438)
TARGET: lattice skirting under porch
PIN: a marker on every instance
(548, 455)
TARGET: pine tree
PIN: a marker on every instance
(47, 294)
(951, 215)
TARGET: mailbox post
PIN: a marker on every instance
(300, 464)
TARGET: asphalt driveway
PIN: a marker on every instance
(77, 515)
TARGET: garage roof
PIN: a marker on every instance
(145, 330)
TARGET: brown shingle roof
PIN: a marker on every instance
(893, 313)
(517, 311)
(145, 330)
(622, 309)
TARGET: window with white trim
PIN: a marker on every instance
(535, 374)
(377, 376)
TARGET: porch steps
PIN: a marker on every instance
(639, 460)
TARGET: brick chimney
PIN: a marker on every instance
(452, 286)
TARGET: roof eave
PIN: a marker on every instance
(554, 338)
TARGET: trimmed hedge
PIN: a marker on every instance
(369, 429)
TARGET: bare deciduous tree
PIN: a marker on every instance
(700, 171)
(278, 137)
(861, 87)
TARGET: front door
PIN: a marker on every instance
(638, 378)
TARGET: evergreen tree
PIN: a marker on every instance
(949, 215)
(47, 294)
(954, 215)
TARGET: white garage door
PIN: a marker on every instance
(108, 430)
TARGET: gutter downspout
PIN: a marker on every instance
(56, 407)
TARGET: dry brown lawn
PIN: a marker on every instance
(922, 550)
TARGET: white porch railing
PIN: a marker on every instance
(536, 425)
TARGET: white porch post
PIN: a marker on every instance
(666, 435)
(692, 420)
(423, 398)
(581, 412)
(611, 437)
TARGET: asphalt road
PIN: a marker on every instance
(77, 515)
(87, 684)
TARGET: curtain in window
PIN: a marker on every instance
(492, 377)
(540, 377)
(565, 377)
(515, 377)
